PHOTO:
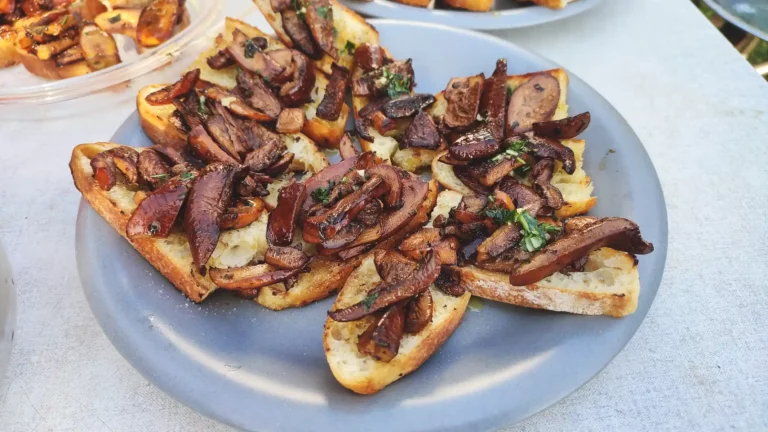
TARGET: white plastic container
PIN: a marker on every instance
(7, 311)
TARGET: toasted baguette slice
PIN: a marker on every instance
(576, 188)
(154, 119)
(362, 374)
(417, 3)
(350, 28)
(172, 257)
(552, 4)
(609, 284)
(472, 5)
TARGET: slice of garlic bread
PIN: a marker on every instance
(350, 29)
(154, 118)
(365, 375)
(609, 284)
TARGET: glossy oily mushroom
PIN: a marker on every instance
(369, 57)
(157, 21)
(392, 266)
(504, 238)
(153, 171)
(541, 174)
(299, 33)
(493, 102)
(243, 214)
(418, 312)
(381, 340)
(333, 100)
(281, 225)
(106, 164)
(319, 18)
(286, 257)
(407, 105)
(393, 179)
(248, 56)
(534, 101)
(298, 90)
(475, 145)
(563, 129)
(157, 213)
(421, 133)
(257, 94)
(463, 97)
(250, 277)
(166, 95)
(553, 149)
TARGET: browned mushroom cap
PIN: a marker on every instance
(209, 197)
(506, 262)
(377, 83)
(299, 33)
(171, 155)
(257, 94)
(153, 171)
(541, 174)
(393, 178)
(489, 172)
(419, 243)
(319, 18)
(235, 129)
(290, 120)
(617, 233)
(493, 103)
(473, 203)
(446, 158)
(325, 225)
(283, 57)
(233, 102)
(501, 240)
(157, 21)
(287, 258)
(418, 312)
(347, 148)
(265, 156)
(220, 60)
(333, 100)
(381, 340)
(563, 129)
(217, 128)
(407, 105)
(463, 97)
(279, 5)
(248, 55)
(449, 281)
(534, 101)
(392, 266)
(106, 164)
(331, 174)
(344, 237)
(578, 223)
(166, 95)
(463, 174)
(390, 293)
(250, 277)
(421, 133)
(524, 196)
(243, 214)
(370, 214)
(477, 144)
(281, 165)
(156, 214)
(200, 142)
(382, 124)
(414, 193)
(298, 90)
(553, 149)
(281, 225)
(369, 57)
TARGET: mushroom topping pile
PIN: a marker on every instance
(309, 24)
(504, 137)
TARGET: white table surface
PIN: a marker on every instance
(699, 361)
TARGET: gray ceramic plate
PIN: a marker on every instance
(260, 370)
(750, 15)
(506, 14)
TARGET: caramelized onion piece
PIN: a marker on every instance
(281, 225)
(566, 128)
(333, 100)
(286, 257)
(243, 214)
(251, 277)
(166, 95)
(533, 101)
(390, 293)
(493, 103)
(617, 233)
(156, 214)
(209, 197)
(381, 340)
(418, 312)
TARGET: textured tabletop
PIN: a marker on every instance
(697, 363)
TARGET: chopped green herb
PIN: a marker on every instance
(66, 19)
(161, 176)
(186, 176)
(114, 19)
(369, 299)
(323, 194)
(299, 7)
(335, 33)
(514, 150)
(501, 216)
(201, 108)
(535, 234)
(491, 199)
(250, 49)
(349, 49)
(509, 92)
(323, 12)
(397, 84)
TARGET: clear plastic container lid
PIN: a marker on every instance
(18, 86)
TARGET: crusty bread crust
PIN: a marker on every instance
(154, 120)
(552, 4)
(417, 3)
(363, 374)
(472, 5)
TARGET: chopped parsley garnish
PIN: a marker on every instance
(535, 234)
(323, 12)
(514, 150)
(66, 19)
(201, 108)
(323, 194)
(509, 92)
(298, 6)
(114, 19)
(161, 176)
(501, 216)
(186, 176)
(397, 84)
(250, 49)
(369, 299)
(349, 49)
(335, 33)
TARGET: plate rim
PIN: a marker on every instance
(501, 420)
(504, 20)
